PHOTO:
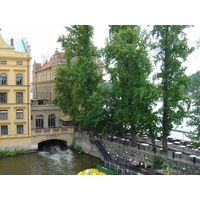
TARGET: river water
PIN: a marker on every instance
(55, 161)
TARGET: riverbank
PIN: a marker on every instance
(11, 153)
(127, 154)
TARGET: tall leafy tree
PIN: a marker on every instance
(127, 50)
(171, 51)
(79, 79)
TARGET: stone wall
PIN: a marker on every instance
(178, 166)
(83, 141)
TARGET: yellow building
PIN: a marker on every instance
(15, 112)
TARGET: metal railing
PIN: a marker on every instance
(120, 168)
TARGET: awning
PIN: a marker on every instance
(65, 119)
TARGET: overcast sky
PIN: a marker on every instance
(41, 22)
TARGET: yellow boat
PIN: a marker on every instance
(91, 172)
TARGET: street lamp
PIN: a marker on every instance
(126, 157)
(146, 158)
(109, 155)
(183, 170)
(117, 156)
(130, 160)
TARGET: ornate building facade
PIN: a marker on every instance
(44, 114)
(15, 110)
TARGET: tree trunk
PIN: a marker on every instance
(165, 128)
(165, 96)
(152, 139)
(133, 136)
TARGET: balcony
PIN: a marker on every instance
(51, 131)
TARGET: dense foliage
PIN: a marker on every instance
(127, 49)
(171, 51)
(79, 79)
(127, 102)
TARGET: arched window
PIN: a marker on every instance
(52, 121)
(3, 79)
(19, 79)
(39, 121)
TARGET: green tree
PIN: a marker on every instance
(150, 119)
(79, 79)
(171, 51)
(127, 50)
(103, 115)
(195, 111)
(194, 83)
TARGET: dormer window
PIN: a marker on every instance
(19, 62)
(3, 62)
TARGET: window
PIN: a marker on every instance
(39, 121)
(3, 62)
(3, 97)
(4, 130)
(19, 97)
(52, 121)
(19, 79)
(3, 114)
(3, 79)
(40, 102)
(19, 114)
(20, 129)
(19, 62)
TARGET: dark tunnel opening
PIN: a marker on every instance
(47, 145)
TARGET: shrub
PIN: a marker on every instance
(78, 149)
(157, 161)
(11, 153)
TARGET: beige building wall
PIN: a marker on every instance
(46, 110)
(15, 61)
(44, 76)
(43, 85)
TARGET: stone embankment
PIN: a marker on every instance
(179, 165)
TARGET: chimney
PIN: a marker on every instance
(12, 42)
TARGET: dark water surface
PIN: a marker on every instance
(52, 162)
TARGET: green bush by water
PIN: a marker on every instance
(157, 161)
(11, 153)
(78, 149)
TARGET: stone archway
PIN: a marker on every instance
(48, 144)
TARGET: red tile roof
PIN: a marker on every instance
(46, 65)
